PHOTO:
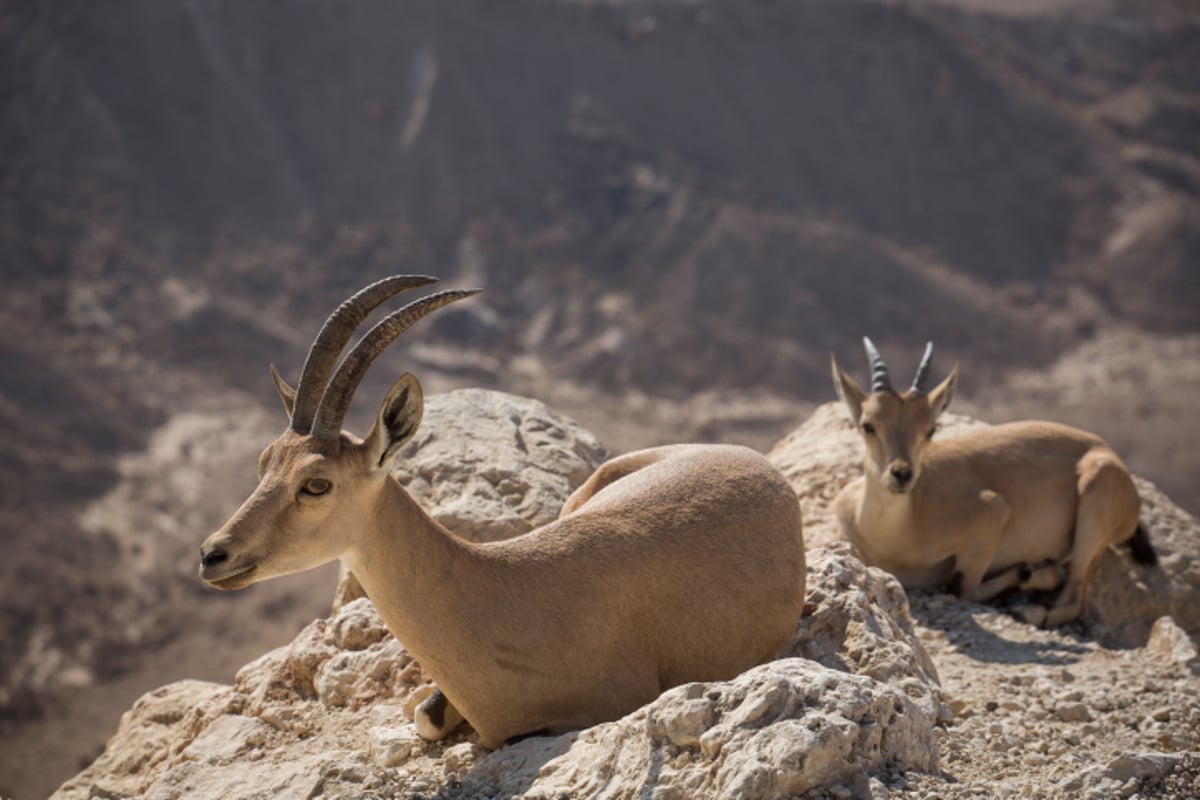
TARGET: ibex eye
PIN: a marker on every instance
(868, 429)
(932, 431)
(316, 486)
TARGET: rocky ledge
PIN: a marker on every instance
(328, 716)
(853, 707)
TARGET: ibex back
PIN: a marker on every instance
(669, 565)
(1027, 505)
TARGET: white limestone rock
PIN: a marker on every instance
(777, 730)
(857, 620)
(393, 744)
(1170, 640)
(490, 465)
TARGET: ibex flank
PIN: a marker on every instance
(669, 565)
(1027, 505)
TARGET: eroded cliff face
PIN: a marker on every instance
(854, 706)
(778, 176)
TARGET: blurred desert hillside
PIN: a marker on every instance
(678, 210)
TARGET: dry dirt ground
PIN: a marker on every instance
(1050, 714)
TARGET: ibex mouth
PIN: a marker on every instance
(241, 578)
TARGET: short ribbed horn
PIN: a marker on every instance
(335, 333)
(335, 401)
(922, 377)
(880, 382)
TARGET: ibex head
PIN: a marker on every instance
(895, 427)
(316, 480)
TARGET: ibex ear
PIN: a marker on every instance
(398, 419)
(286, 393)
(848, 391)
(940, 397)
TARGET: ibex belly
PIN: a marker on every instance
(600, 671)
(1041, 528)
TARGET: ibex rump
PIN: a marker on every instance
(668, 565)
(1023, 505)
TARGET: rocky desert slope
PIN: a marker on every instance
(677, 210)
(873, 697)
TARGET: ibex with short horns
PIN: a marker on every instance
(1022, 506)
(669, 565)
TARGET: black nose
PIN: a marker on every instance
(213, 557)
(902, 474)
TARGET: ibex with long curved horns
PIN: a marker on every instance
(669, 565)
(1023, 505)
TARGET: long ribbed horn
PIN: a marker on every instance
(880, 382)
(923, 370)
(335, 333)
(335, 401)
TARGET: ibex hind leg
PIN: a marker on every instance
(1047, 576)
(1108, 511)
(996, 583)
(608, 473)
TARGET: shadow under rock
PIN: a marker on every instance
(958, 619)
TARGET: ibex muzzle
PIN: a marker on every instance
(283, 526)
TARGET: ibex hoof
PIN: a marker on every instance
(1060, 615)
(433, 714)
(1044, 577)
(1031, 614)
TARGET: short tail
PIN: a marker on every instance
(1140, 547)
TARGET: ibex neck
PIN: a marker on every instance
(880, 511)
(416, 573)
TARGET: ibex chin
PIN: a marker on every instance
(1026, 506)
(668, 565)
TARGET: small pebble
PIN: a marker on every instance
(1072, 712)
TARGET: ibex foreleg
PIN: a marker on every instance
(977, 548)
(608, 473)
(433, 714)
(1024, 577)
